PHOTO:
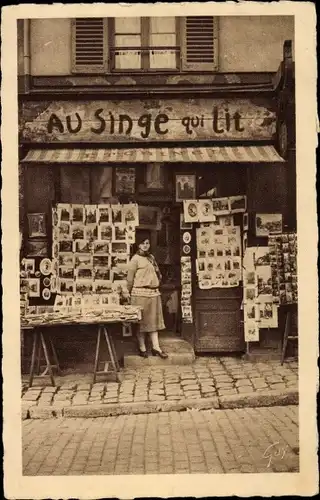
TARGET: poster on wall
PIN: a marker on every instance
(185, 187)
(37, 225)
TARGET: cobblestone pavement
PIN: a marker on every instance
(211, 441)
(205, 378)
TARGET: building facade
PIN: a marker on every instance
(156, 111)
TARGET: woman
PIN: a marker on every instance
(143, 284)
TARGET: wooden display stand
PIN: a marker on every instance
(287, 334)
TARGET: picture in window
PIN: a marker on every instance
(185, 187)
(125, 180)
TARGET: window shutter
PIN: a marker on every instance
(200, 43)
(89, 45)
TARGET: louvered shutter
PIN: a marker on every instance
(89, 45)
(200, 43)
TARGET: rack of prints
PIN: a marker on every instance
(91, 251)
(219, 263)
(186, 290)
(260, 308)
(206, 210)
(283, 260)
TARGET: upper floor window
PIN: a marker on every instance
(145, 44)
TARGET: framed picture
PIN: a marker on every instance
(154, 177)
(268, 223)
(34, 287)
(125, 180)
(149, 217)
(183, 224)
(185, 187)
(37, 225)
(37, 248)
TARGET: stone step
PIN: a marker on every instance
(180, 353)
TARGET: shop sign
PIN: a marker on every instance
(148, 120)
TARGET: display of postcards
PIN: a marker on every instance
(55, 249)
(225, 220)
(219, 264)
(82, 246)
(104, 299)
(101, 261)
(185, 301)
(251, 331)
(130, 214)
(264, 280)
(268, 315)
(96, 300)
(288, 287)
(190, 211)
(121, 260)
(65, 246)
(120, 286)
(66, 272)
(236, 251)
(119, 232)
(187, 288)
(77, 301)
(77, 231)
(104, 214)
(185, 278)
(210, 265)
(250, 277)
(66, 286)
(101, 286)
(119, 274)
(220, 206)
(59, 301)
(238, 204)
(234, 278)
(269, 223)
(119, 248)
(220, 251)
(64, 212)
(116, 212)
(130, 237)
(204, 237)
(34, 287)
(37, 248)
(101, 273)
(24, 286)
(186, 264)
(185, 293)
(87, 301)
(186, 311)
(250, 311)
(101, 247)
(287, 267)
(220, 239)
(205, 211)
(83, 286)
(106, 232)
(65, 230)
(114, 299)
(202, 254)
(29, 266)
(210, 252)
(261, 256)
(250, 293)
(53, 284)
(77, 214)
(228, 265)
(91, 232)
(84, 273)
(201, 265)
(83, 260)
(66, 259)
(228, 251)
(91, 214)
(288, 277)
(236, 264)
(69, 301)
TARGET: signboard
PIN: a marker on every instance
(148, 120)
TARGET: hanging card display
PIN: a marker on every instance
(190, 211)
(268, 223)
(238, 204)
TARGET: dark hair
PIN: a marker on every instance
(141, 236)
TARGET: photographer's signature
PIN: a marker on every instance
(275, 450)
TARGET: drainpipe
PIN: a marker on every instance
(26, 55)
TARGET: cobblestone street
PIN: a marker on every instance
(214, 380)
(214, 441)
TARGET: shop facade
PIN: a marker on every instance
(157, 152)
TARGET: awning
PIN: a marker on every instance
(246, 154)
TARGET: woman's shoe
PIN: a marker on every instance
(143, 354)
(161, 354)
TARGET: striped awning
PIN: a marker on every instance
(246, 154)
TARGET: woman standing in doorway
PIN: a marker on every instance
(143, 284)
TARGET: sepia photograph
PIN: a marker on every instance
(167, 343)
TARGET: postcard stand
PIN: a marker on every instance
(291, 309)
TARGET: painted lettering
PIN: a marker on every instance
(123, 119)
(102, 121)
(215, 121)
(228, 120)
(186, 123)
(161, 119)
(55, 122)
(111, 123)
(237, 118)
(69, 124)
(145, 122)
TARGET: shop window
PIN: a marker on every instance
(75, 184)
(145, 44)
